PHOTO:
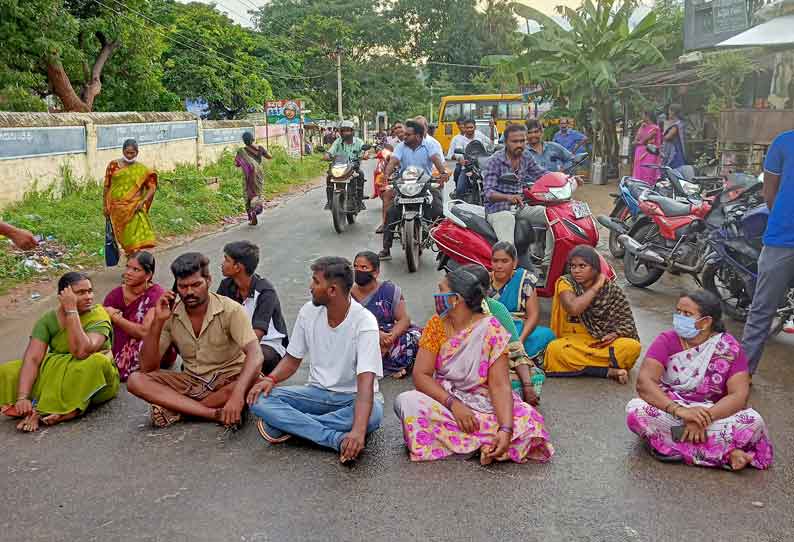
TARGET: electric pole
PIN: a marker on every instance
(339, 81)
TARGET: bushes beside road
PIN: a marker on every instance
(69, 214)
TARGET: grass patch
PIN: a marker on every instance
(71, 211)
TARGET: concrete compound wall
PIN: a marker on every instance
(35, 147)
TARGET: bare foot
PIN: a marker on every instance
(55, 419)
(485, 459)
(739, 459)
(399, 374)
(29, 423)
(621, 376)
(529, 395)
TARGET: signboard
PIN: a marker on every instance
(216, 136)
(283, 111)
(30, 142)
(112, 136)
(708, 22)
(294, 140)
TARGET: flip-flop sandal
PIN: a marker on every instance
(162, 417)
(263, 432)
(10, 411)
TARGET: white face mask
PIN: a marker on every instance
(127, 160)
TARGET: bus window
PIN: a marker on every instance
(516, 110)
(451, 112)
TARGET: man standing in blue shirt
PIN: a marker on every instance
(776, 264)
(568, 137)
(548, 155)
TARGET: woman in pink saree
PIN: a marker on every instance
(693, 387)
(463, 402)
(649, 133)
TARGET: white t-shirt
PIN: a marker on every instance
(460, 141)
(337, 354)
(273, 337)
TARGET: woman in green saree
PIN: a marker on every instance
(67, 365)
(129, 191)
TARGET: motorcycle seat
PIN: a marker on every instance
(637, 187)
(475, 223)
(669, 206)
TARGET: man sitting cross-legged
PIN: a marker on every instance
(338, 406)
(219, 349)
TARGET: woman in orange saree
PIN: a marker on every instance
(129, 191)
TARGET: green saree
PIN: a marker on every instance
(65, 383)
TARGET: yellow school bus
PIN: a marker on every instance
(503, 108)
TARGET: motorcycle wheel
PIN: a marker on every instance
(411, 233)
(637, 272)
(732, 301)
(338, 212)
(621, 214)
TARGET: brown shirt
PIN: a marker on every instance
(218, 348)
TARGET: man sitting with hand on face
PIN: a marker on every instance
(220, 352)
(340, 403)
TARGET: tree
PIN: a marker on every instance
(582, 65)
(213, 59)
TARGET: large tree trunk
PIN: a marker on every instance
(62, 86)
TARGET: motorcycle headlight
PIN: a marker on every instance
(561, 192)
(410, 189)
(338, 171)
(411, 173)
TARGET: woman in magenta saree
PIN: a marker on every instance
(693, 387)
(648, 133)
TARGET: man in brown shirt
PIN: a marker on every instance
(219, 349)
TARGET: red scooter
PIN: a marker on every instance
(465, 236)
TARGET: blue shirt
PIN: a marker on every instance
(498, 165)
(554, 157)
(570, 139)
(780, 161)
(419, 157)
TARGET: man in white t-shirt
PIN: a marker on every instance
(340, 403)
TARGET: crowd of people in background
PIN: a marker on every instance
(477, 365)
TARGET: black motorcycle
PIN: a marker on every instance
(475, 157)
(346, 182)
(413, 194)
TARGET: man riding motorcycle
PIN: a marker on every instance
(470, 133)
(548, 155)
(499, 198)
(350, 146)
(415, 150)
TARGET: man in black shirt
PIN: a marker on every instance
(258, 297)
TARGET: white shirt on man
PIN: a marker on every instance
(339, 354)
(460, 141)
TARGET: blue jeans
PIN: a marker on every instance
(316, 414)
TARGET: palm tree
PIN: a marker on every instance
(582, 64)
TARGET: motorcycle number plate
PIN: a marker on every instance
(580, 209)
(403, 201)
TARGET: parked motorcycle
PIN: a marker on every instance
(347, 181)
(673, 235)
(465, 236)
(412, 193)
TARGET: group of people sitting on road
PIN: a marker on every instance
(477, 365)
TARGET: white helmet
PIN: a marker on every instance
(346, 125)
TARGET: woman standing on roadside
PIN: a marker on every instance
(249, 159)
(129, 191)
(648, 133)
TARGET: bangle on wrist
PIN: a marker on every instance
(448, 401)
(505, 429)
(273, 379)
(71, 311)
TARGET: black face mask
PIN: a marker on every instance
(364, 277)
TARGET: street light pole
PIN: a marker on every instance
(339, 81)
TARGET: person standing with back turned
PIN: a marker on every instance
(776, 264)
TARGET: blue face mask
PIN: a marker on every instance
(685, 326)
(443, 305)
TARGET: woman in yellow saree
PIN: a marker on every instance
(129, 191)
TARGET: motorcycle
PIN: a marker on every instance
(412, 193)
(346, 180)
(475, 157)
(672, 235)
(465, 236)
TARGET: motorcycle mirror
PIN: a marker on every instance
(366, 147)
(653, 149)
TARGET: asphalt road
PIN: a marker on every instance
(110, 476)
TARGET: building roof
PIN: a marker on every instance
(773, 33)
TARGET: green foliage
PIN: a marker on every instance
(724, 73)
(71, 210)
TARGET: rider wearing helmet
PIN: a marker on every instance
(350, 146)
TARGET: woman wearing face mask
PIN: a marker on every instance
(129, 191)
(593, 321)
(693, 389)
(129, 307)
(463, 402)
(399, 340)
